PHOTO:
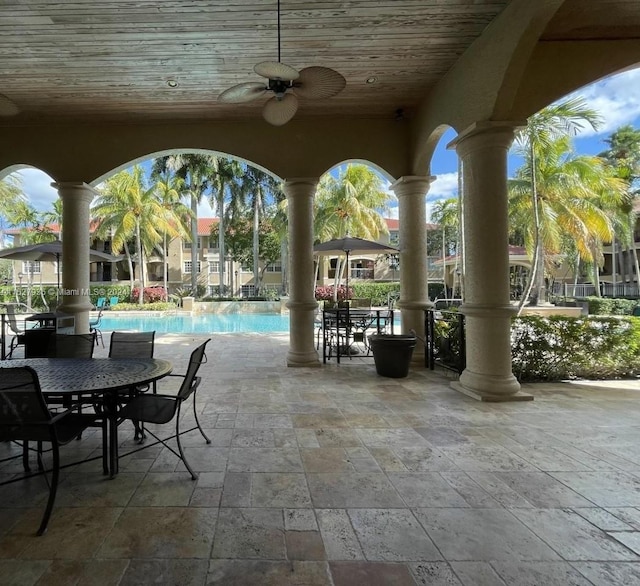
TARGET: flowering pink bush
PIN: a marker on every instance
(149, 294)
(325, 293)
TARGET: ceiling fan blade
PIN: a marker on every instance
(276, 70)
(279, 112)
(243, 92)
(319, 82)
(7, 107)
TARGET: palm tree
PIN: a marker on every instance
(168, 191)
(196, 170)
(623, 156)
(576, 200)
(54, 216)
(257, 189)
(445, 212)
(129, 211)
(10, 196)
(350, 204)
(224, 186)
(544, 128)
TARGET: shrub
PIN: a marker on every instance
(610, 306)
(157, 306)
(559, 347)
(325, 293)
(149, 294)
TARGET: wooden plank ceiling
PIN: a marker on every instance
(112, 60)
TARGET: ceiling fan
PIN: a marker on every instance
(287, 84)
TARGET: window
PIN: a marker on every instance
(394, 238)
(31, 266)
(187, 245)
(245, 269)
(187, 266)
(214, 266)
(275, 267)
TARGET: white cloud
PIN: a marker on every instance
(36, 185)
(615, 98)
(444, 187)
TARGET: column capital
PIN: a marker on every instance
(77, 188)
(487, 133)
(300, 186)
(412, 184)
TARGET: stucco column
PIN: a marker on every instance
(76, 199)
(483, 150)
(302, 301)
(411, 192)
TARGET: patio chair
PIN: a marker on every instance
(133, 345)
(24, 417)
(113, 301)
(94, 327)
(101, 303)
(161, 409)
(17, 331)
(71, 345)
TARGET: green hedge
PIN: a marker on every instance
(379, 292)
(558, 347)
(610, 306)
(157, 306)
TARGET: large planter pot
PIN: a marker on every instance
(392, 353)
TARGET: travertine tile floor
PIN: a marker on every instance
(338, 476)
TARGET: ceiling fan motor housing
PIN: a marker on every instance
(279, 87)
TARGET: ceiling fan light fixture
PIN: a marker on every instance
(370, 80)
(172, 83)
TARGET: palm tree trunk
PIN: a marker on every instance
(140, 265)
(131, 275)
(284, 267)
(164, 266)
(221, 254)
(535, 261)
(256, 241)
(194, 244)
(444, 257)
(634, 251)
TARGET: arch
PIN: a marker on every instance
(302, 148)
(359, 161)
(156, 155)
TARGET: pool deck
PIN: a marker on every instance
(336, 476)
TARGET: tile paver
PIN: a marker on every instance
(336, 476)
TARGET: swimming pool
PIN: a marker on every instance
(205, 323)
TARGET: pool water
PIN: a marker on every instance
(205, 323)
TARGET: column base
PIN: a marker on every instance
(303, 359)
(492, 389)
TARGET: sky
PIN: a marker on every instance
(616, 99)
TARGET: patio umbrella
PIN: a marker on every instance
(51, 251)
(350, 244)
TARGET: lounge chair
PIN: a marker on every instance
(101, 303)
(113, 301)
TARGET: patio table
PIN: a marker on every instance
(104, 379)
(352, 326)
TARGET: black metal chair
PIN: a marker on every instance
(160, 409)
(94, 327)
(71, 345)
(24, 417)
(133, 345)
